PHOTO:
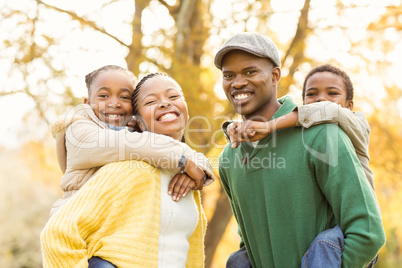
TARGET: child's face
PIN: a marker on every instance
(110, 97)
(327, 86)
(162, 107)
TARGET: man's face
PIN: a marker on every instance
(249, 83)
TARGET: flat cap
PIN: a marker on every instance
(253, 43)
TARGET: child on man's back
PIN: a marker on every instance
(94, 134)
(328, 98)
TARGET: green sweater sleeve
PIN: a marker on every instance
(342, 181)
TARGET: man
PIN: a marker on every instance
(295, 183)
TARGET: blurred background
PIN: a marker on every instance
(47, 47)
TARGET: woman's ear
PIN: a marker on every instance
(86, 101)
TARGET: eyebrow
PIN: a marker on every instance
(249, 67)
(244, 69)
(168, 90)
(121, 89)
(330, 87)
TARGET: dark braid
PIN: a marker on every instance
(90, 78)
(134, 98)
(331, 69)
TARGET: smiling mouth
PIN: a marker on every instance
(167, 117)
(241, 96)
(113, 116)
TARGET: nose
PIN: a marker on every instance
(239, 82)
(114, 103)
(321, 97)
(164, 105)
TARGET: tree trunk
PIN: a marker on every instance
(136, 51)
(296, 49)
(217, 226)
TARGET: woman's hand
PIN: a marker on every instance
(196, 173)
(180, 185)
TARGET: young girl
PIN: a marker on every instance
(328, 98)
(124, 215)
(86, 137)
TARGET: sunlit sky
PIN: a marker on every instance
(100, 50)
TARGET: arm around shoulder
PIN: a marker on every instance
(89, 146)
(354, 124)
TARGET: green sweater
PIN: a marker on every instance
(295, 184)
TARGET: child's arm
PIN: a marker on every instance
(89, 146)
(353, 124)
(255, 130)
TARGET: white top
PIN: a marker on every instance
(178, 222)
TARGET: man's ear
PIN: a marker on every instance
(86, 101)
(349, 104)
(276, 75)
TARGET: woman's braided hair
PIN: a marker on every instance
(134, 97)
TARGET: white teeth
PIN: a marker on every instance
(113, 115)
(241, 96)
(167, 116)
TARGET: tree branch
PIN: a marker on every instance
(2, 94)
(173, 10)
(84, 22)
(302, 28)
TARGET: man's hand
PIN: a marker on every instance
(180, 185)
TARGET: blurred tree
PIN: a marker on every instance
(183, 48)
(25, 202)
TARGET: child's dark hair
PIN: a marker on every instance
(134, 97)
(90, 78)
(336, 71)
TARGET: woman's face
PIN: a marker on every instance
(162, 107)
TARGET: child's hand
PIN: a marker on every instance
(180, 186)
(248, 131)
(254, 130)
(233, 134)
(131, 124)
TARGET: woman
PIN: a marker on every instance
(124, 214)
